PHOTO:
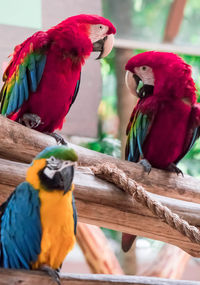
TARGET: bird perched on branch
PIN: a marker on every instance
(42, 79)
(165, 122)
(38, 221)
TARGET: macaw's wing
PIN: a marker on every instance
(24, 72)
(20, 228)
(74, 214)
(76, 91)
(137, 132)
(193, 131)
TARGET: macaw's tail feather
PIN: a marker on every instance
(127, 241)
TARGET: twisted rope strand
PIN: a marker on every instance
(115, 175)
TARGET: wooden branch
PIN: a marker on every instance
(174, 20)
(170, 263)
(96, 250)
(22, 144)
(26, 277)
(103, 204)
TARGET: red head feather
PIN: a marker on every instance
(75, 32)
(172, 74)
(88, 19)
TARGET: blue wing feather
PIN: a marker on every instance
(136, 136)
(40, 64)
(21, 98)
(25, 84)
(20, 228)
(195, 137)
(76, 91)
(13, 99)
(28, 82)
(32, 73)
(74, 213)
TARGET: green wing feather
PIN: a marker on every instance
(136, 136)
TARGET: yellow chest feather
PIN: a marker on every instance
(56, 213)
(57, 228)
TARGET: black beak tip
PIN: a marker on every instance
(67, 176)
(137, 78)
(99, 46)
(100, 56)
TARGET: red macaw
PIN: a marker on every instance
(165, 122)
(43, 76)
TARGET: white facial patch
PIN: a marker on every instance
(98, 32)
(55, 165)
(146, 74)
(49, 172)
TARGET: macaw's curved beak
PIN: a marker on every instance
(66, 177)
(132, 82)
(136, 86)
(104, 45)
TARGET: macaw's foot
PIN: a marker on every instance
(31, 121)
(58, 138)
(52, 272)
(173, 168)
(147, 166)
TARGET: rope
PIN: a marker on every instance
(113, 174)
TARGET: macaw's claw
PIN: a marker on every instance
(59, 139)
(147, 166)
(54, 274)
(30, 120)
(173, 168)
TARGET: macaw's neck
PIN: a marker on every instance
(70, 42)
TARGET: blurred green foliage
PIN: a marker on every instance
(142, 20)
(190, 164)
(106, 144)
(145, 20)
(189, 34)
(107, 141)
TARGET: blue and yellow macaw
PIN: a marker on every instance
(38, 221)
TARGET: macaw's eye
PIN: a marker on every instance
(53, 163)
(101, 28)
(143, 67)
(52, 159)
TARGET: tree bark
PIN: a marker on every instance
(22, 144)
(174, 20)
(26, 277)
